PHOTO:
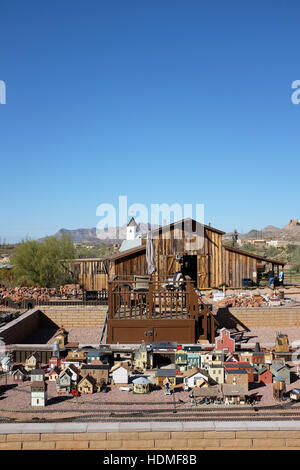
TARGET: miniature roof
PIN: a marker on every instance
(195, 371)
(232, 389)
(89, 378)
(73, 368)
(37, 372)
(117, 365)
(205, 392)
(141, 381)
(166, 373)
(38, 384)
(55, 369)
(235, 371)
(94, 352)
(95, 366)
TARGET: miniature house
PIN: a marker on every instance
(99, 372)
(20, 374)
(37, 375)
(119, 374)
(162, 374)
(64, 382)
(6, 363)
(38, 393)
(87, 385)
(32, 362)
(195, 378)
(53, 374)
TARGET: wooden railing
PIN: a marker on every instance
(157, 301)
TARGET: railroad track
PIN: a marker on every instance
(166, 415)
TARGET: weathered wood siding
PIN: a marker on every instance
(90, 273)
(237, 266)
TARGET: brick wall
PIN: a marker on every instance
(241, 439)
(74, 316)
(270, 316)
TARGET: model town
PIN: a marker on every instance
(166, 346)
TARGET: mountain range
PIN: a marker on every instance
(290, 232)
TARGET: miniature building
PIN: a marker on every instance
(235, 394)
(93, 355)
(193, 359)
(200, 393)
(282, 343)
(119, 373)
(75, 373)
(279, 387)
(61, 337)
(37, 375)
(162, 374)
(280, 369)
(141, 385)
(38, 393)
(195, 378)
(264, 375)
(236, 376)
(6, 363)
(54, 362)
(99, 372)
(87, 385)
(32, 362)
(53, 374)
(224, 342)
(295, 394)
(242, 365)
(143, 357)
(55, 350)
(64, 382)
(180, 360)
(20, 374)
(216, 372)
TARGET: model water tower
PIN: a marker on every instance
(278, 388)
(55, 349)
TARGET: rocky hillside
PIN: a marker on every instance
(290, 232)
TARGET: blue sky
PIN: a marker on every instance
(163, 101)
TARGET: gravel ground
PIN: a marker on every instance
(267, 334)
(81, 335)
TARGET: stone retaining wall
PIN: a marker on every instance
(270, 316)
(152, 436)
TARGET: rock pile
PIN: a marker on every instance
(41, 294)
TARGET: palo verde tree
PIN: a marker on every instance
(39, 263)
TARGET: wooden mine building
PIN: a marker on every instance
(160, 314)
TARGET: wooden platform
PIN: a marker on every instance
(157, 314)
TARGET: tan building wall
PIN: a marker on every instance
(154, 440)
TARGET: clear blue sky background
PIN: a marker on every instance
(161, 100)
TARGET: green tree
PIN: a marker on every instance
(39, 263)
